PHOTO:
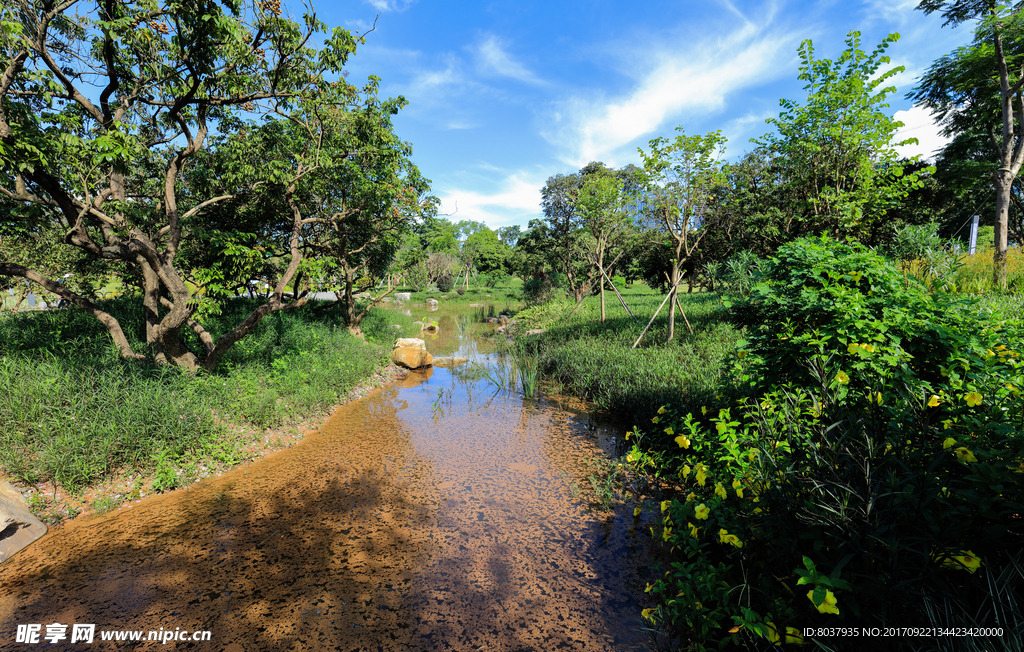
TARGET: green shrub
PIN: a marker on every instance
(540, 290)
(865, 459)
(445, 282)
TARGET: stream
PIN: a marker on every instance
(437, 513)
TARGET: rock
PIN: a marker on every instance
(504, 319)
(387, 299)
(432, 304)
(535, 331)
(403, 296)
(431, 328)
(413, 342)
(491, 320)
(449, 361)
(18, 527)
(411, 358)
(417, 377)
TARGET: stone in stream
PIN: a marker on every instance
(416, 377)
(432, 304)
(18, 527)
(449, 361)
(411, 353)
(403, 296)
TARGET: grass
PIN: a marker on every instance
(72, 413)
(596, 360)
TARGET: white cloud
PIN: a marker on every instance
(893, 11)
(390, 5)
(697, 78)
(492, 58)
(515, 200)
(918, 123)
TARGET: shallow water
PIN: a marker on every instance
(409, 521)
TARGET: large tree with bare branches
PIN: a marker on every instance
(106, 112)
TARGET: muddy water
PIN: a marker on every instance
(410, 521)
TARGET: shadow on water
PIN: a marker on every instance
(397, 526)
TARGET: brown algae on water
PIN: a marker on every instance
(434, 515)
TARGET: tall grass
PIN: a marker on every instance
(596, 360)
(72, 412)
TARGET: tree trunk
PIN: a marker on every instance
(1004, 188)
(673, 292)
(600, 266)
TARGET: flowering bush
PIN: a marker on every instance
(865, 461)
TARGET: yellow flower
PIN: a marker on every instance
(631, 457)
(661, 410)
(649, 588)
(933, 401)
(704, 410)
(841, 378)
(989, 354)
(738, 487)
(973, 398)
(686, 471)
(669, 431)
(690, 497)
(853, 348)
(648, 614)
(773, 633)
(966, 560)
(664, 505)
(794, 636)
(870, 348)
(949, 443)
(828, 606)
(702, 512)
(877, 397)
(731, 539)
(636, 511)
(693, 530)
(683, 441)
(720, 491)
(666, 533)
(965, 455)
(655, 419)
(701, 475)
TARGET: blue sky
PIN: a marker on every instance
(503, 94)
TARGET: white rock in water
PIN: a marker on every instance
(413, 342)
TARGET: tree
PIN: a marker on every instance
(835, 151)
(980, 86)
(683, 176)
(103, 111)
(602, 209)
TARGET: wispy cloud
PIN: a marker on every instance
(493, 59)
(696, 79)
(918, 123)
(515, 199)
(390, 5)
(893, 11)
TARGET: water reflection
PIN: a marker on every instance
(397, 526)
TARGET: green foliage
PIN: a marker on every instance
(445, 282)
(836, 150)
(75, 418)
(866, 448)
